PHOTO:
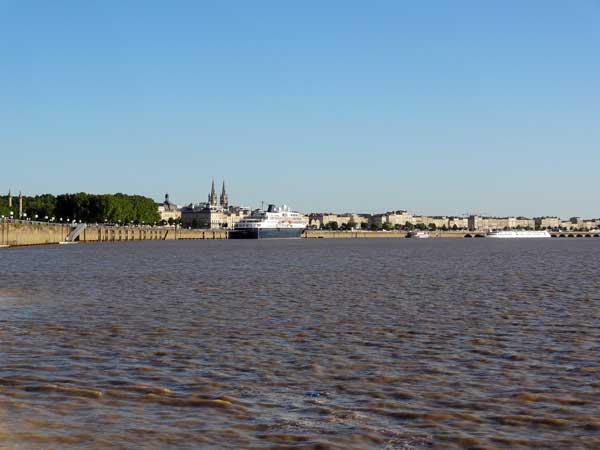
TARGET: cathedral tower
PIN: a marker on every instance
(212, 197)
(224, 200)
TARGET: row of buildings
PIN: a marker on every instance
(403, 219)
(216, 212)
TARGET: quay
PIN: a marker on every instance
(15, 233)
(322, 234)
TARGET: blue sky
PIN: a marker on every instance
(439, 107)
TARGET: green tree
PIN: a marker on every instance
(376, 226)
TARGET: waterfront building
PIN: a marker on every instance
(168, 210)
(203, 215)
(577, 221)
(216, 213)
(524, 223)
(431, 221)
(235, 214)
(323, 220)
(544, 223)
(393, 218)
(460, 223)
(478, 223)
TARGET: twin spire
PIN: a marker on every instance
(212, 197)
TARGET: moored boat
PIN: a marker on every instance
(419, 234)
(275, 222)
(517, 234)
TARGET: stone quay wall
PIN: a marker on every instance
(320, 234)
(18, 233)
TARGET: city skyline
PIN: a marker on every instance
(344, 107)
(222, 200)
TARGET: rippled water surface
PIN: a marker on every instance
(312, 344)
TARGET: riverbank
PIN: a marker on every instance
(21, 233)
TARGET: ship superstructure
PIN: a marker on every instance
(275, 222)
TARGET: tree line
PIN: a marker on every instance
(90, 208)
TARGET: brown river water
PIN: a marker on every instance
(302, 344)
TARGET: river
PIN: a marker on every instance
(302, 344)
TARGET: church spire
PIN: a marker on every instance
(212, 198)
(9, 198)
(224, 200)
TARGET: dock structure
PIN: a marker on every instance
(14, 233)
(364, 234)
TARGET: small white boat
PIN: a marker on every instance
(516, 234)
(419, 234)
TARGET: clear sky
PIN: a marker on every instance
(438, 107)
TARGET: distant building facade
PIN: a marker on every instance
(321, 220)
(543, 223)
(169, 211)
(216, 213)
(479, 223)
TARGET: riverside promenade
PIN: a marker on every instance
(321, 234)
(15, 233)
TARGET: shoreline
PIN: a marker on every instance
(35, 234)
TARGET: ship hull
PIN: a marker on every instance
(266, 233)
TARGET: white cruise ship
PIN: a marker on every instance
(275, 222)
(515, 234)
